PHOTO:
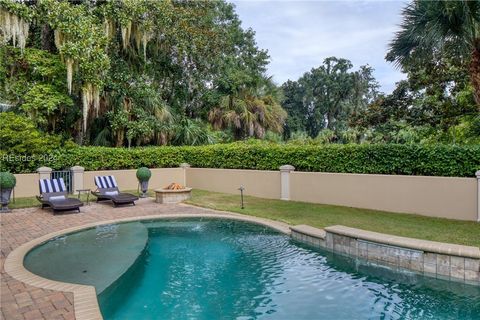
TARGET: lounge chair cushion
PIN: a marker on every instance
(104, 182)
(52, 185)
(57, 198)
(47, 196)
(111, 193)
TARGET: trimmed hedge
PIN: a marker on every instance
(429, 160)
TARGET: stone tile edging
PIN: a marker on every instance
(429, 258)
(417, 244)
(310, 231)
(84, 296)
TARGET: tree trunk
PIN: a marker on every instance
(47, 38)
(119, 138)
(475, 73)
(330, 122)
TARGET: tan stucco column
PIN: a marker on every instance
(477, 174)
(184, 166)
(285, 181)
(44, 172)
(77, 178)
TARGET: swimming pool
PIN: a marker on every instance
(204, 268)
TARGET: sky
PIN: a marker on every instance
(299, 35)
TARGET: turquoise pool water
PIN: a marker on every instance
(221, 269)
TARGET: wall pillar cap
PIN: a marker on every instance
(44, 170)
(477, 174)
(77, 169)
(184, 165)
(287, 168)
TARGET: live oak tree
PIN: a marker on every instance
(325, 97)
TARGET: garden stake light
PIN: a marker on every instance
(241, 196)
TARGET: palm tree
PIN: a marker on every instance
(248, 115)
(433, 27)
(191, 132)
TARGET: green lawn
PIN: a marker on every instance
(318, 215)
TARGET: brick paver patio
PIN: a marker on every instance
(21, 301)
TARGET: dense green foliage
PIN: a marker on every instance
(143, 174)
(135, 72)
(7, 180)
(23, 147)
(436, 104)
(438, 47)
(438, 160)
(36, 80)
(432, 30)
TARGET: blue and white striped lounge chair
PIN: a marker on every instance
(53, 194)
(107, 189)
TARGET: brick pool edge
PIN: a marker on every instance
(429, 258)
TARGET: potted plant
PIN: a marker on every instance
(143, 175)
(7, 183)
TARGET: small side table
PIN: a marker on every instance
(87, 191)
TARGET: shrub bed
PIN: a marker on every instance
(429, 160)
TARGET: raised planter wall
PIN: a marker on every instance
(433, 259)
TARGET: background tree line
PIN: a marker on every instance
(438, 47)
(137, 72)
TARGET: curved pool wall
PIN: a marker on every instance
(444, 261)
(280, 279)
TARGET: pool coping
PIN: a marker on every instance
(85, 300)
(405, 242)
(418, 244)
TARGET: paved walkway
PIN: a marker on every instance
(21, 301)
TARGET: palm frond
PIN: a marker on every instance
(430, 26)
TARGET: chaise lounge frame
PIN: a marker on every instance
(108, 184)
(50, 189)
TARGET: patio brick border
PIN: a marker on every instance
(84, 297)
